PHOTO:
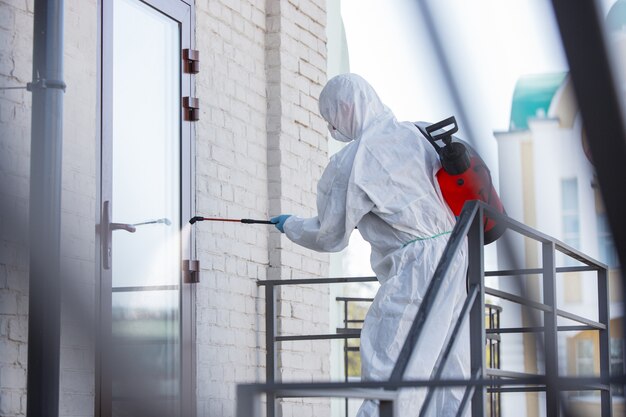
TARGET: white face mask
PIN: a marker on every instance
(337, 135)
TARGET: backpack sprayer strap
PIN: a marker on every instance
(445, 136)
(454, 156)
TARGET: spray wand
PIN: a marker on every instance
(215, 219)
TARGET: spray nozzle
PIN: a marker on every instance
(195, 219)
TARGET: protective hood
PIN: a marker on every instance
(349, 104)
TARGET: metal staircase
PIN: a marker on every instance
(483, 378)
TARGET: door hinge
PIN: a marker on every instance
(191, 61)
(191, 271)
(191, 105)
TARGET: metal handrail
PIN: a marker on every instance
(270, 326)
(492, 314)
(354, 332)
(470, 225)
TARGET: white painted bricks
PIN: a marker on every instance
(15, 68)
(260, 149)
(78, 203)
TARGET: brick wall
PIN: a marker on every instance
(231, 177)
(78, 205)
(297, 155)
(15, 70)
(261, 147)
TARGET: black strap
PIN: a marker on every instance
(428, 137)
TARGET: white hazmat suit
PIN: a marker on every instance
(384, 182)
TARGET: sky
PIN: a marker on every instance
(487, 45)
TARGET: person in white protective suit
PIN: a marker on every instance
(384, 183)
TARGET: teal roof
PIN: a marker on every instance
(616, 18)
(532, 96)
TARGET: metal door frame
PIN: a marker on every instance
(183, 12)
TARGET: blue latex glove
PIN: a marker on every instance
(279, 221)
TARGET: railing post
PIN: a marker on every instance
(345, 352)
(247, 400)
(550, 338)
(270, 337)
(475, 270)
(385, 408)
(605, 364)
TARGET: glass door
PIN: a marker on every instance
(143, 147)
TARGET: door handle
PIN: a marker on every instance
(122, 226)
(107, 233)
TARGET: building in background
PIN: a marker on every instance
(547, 181)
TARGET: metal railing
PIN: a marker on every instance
(271, 338)
(492, 320)
(492, 316)
(470, 225)
(349, 321)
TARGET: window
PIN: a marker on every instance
(570, 217)
(606, 247)
(584, 357)
(617, 363)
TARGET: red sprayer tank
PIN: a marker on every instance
(464, 175)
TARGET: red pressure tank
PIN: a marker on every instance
(464, 175)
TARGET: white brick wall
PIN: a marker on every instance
(15, 70)
(78, 204)
(260, 149)
(261, 145)
(231, 181)
(297, 155)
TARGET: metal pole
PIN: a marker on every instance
(45, 210)
(345, 349)
(270, 358)
(605, 359)
(475, 270)
(550, 342)
(247, 400)
(497, 363)
(385, 408)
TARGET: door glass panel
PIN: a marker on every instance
(146, 264)
(145, 349)
(146, 145)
